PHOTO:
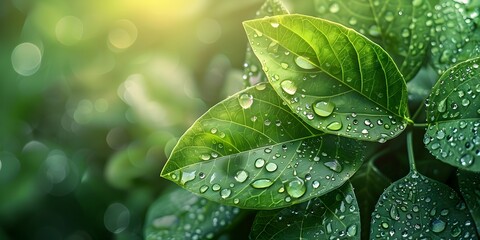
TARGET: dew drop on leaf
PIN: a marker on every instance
(203, 188)
(259, 163)
(324, 109)
(467, 160)
(334, 126)
(262, 183)
(296, 187)
(438, 225)
(288, 87)
(333, 165)
(245, 100)
(304, 63)
(241, 176)
(187, 177)
(225, 193)
(271, 167)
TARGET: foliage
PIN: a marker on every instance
(335, 88)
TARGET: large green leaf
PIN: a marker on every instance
(332, 216)
(252, 67)
(321, 68)
(416, 207)
(369, 184)
(469, 183)
(453, 114)
(251, 151)
(401, 27)
(453, 37)
(179, 214)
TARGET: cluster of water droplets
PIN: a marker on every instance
(416, 207)
(334, 216)
(196, 218)
(454, 111)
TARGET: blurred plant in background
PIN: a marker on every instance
(94, 95)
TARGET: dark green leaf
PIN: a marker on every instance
(179, 214)
(417, 207)
(369, 184)
(320, 68)
(332, 216)
(252, 67)
(401, 27)
(453, 114)
(453, 37)
(469, 183)
(251, 151)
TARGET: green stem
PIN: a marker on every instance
(411, 158)
(419, 109)
(421, 125)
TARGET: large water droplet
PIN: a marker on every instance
(333, 165)
(334, 8)
(438, 225)
(271, 167)
(296, 187)
(304, 63)
(394, 213)
(334, 126)
(324, 109)
(352, 230)
(241, 176)
(245, 100)
(289, 87)
(262, 183)
(467, 160)
(225, 193)
(259, 163)
(442, 106)
(187, 177)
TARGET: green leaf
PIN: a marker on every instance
(469, 183)
(369, 184)
(252, 67)
(332, 216)
(417, 207)
(179, 214)
(320, 68)
(251, 151)
(453, 37)
(401, 27)
(453, 115)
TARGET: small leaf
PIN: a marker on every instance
(417, 207)
(469, 183)
(179, 214)
(332, 216)
(321, 68)
(453, 37)
(453, 114)
(252, 68)
(401, 27)
(369, 184)
(251, 151)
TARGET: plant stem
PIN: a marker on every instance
(411, 158)
(419, 109)
(422, 125)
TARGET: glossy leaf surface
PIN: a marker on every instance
(416, 207)
(182, 215)
(332, 216)
(251, 151)
(320, 68)
(401, 27)
(469, 183)
(453, 115)
(252, 68)
(369, 184)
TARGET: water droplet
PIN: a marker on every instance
(352, 230)
(389, 16)
(203, 188)
(216, 187)
(262, 183)
(334, 8)
(259, 163)
(334, 126)
(304, 63)
(225, 193)
(296, 188)
(187, 177)
(394, 213)
(205, 157)
(289, 87)
(442, 106)
(333, 165)
(438, 225)
(456, 231)
(385, 225)
(241, 176)
(284, 65)
(324, 109)
(465, 102)
(467, 160)
(275, 24)
(374, 31)
(315, 184)
(271, 167)
(245, 100)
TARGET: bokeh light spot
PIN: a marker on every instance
(116, 218)
(123, 35)
(69, 30)
(26, 59)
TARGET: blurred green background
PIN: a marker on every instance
(94, 95)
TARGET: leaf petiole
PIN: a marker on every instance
(411, 157)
